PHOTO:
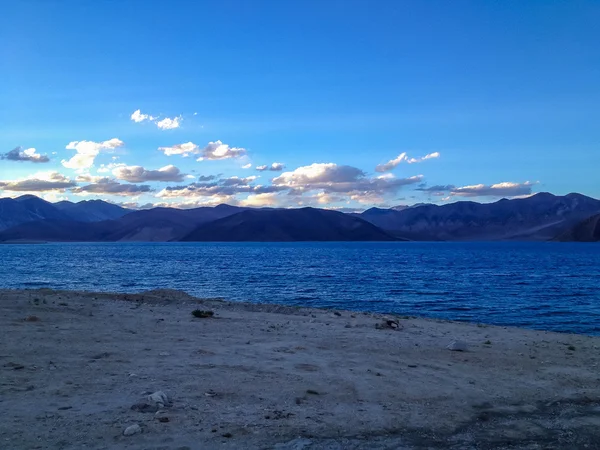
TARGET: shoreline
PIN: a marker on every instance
(143, 295)
(273, 376)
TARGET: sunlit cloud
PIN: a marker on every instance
(258, 200)
(403, 157)
(164, 124)
(504, 189)
(169, 124)
(87, 152)
(212, 151)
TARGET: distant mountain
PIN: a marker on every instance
(151, 225)
(166, 224)
(587, 230)
(305, 224)
(27, 208)
(539, 217)
(91, 210)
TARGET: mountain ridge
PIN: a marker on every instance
(543, 216)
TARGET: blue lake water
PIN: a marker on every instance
(551, 286)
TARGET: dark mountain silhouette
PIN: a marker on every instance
(151, 225)
(92, 210)
(27, 208)
(305, 224)
(539, 217)
(166, 224)
(587, 230)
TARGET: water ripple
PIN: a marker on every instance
(537, 285)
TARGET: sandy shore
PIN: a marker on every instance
(263, 376)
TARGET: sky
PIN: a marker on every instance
(337, 104)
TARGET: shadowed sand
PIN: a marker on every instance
(264, 376)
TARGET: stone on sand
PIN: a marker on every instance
(159, 398)
(458, 346)
(132, 429)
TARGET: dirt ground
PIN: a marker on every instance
(76, 370)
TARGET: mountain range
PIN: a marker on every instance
(540, 217)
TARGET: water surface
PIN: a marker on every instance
(551, 286)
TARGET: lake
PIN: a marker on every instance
(549, 286)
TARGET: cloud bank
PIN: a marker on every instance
(137, 174)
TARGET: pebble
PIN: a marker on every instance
(159, 398)
(457, 346)
(131, 430)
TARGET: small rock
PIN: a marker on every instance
(457, 346)
(32, 319)
(312, 392)
(390, 324)
(159, 398)
(210, 393)
(227, 435)
(164, 354)
(337, 313)
(131, 430)
(412, 366)
(163, 419)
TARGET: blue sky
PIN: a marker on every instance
(348, 97)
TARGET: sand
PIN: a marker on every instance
(264, 376)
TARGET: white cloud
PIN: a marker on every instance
(106, 168)
(247, 166)
(217, 150)
(137, 174)
(138, 117)
(212, 151)
(87, 152)
(87, 178)
(267, 199)
(424, 158)
(164, 124)
(402, 157)
(185, 150)
(169, 124)
(275, 167)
